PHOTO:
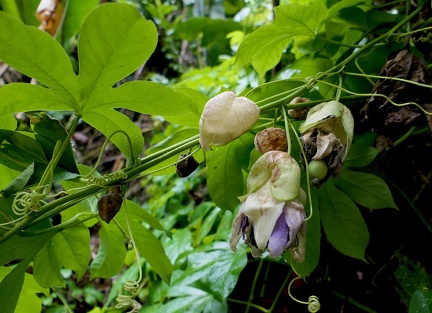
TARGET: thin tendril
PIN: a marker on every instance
(312, 303)
(389, 78)
(131, 286)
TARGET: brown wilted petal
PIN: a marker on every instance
(271, 139)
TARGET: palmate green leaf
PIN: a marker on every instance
(28, 300)
(72, 248)
(36, 54)
(225, 181)
(76, 12)
(342, 222)
(115, 40)
(111, 254)
(46, 267)
(366, 189)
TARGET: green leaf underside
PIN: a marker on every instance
(46, 267)
(342, 222)
(366, 189)
(225, 180)
(18, 248)
(111, 253)
(72, 248)
(147, 243)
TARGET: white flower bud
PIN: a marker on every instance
(225, 118)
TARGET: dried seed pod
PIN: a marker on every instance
(186, 166)
(110, 203)
(271, 139)
(299, 113)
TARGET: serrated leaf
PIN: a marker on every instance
(366, 189)
(342, 222)
(115, 40)
(72, 248)
(35, 53)
(111, 253)
(46, 267)
(225, 180)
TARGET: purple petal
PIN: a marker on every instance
(278, 241)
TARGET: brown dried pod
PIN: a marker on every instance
(110, 203)
(186, 166)
(271, 139)
(299, 113)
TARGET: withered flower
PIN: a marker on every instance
(327, 135)
(272, 212)
(225, 118)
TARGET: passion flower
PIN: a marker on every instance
(225, 118)
(272, 211)
(327, 135)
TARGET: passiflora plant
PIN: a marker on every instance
(285, 166)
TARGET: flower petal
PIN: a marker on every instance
(294, 217)
(278, 241)
(236, 230)
(263, 211)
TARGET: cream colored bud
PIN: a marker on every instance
(225, 118)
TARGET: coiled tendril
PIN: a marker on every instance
(125, 301)
(313, 301)
(100, 181)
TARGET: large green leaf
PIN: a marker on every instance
(36, 54)
(111, 253)
(115, 40)
(21, 97)
(28, 300)
(147, 243)
(21, 249)
(225, 166)
(342, 222)
(46, 267)
(421, 302)
(72, 248)
(366, 189)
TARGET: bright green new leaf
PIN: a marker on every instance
(22, 9)
(366, 189)
(72, 248)
(19, 182)
(111, 254)
(28, 301)
(342, 222)
(46, 267)
(225, 167)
